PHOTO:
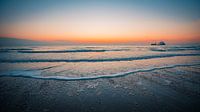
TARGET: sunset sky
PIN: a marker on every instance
(101, 21)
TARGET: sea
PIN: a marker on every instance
(93, 62)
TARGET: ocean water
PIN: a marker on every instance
(93, 62)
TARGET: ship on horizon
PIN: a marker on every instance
(160, 43)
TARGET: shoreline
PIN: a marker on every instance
(158, 90)
(117, 75)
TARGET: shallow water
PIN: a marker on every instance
(92, 62)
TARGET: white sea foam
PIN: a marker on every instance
(89, 63)
(36, 74)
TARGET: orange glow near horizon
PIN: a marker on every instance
(106, 34)
(113, 40)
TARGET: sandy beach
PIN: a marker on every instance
(164, 90)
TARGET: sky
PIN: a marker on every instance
(101, 21)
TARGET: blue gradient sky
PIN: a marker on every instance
(101, 20)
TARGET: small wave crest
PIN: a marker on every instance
(97, 60)
(5, 50)
(73, 51)
(175, 48)
(36, 74)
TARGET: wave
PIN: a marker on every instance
(5, 50)
(97, 60)
(45, 68)
(174, 49)
(73, 51)
(37, 76)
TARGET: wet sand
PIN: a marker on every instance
(167, 90)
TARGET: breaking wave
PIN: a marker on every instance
(175, 48)
(4, 50)
(97, 60)
(36, 74)
(73, 51)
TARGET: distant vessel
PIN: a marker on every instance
(160, 43)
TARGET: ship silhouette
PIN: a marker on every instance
(160, 43)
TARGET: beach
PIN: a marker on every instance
(154, 91)
(152, 79)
